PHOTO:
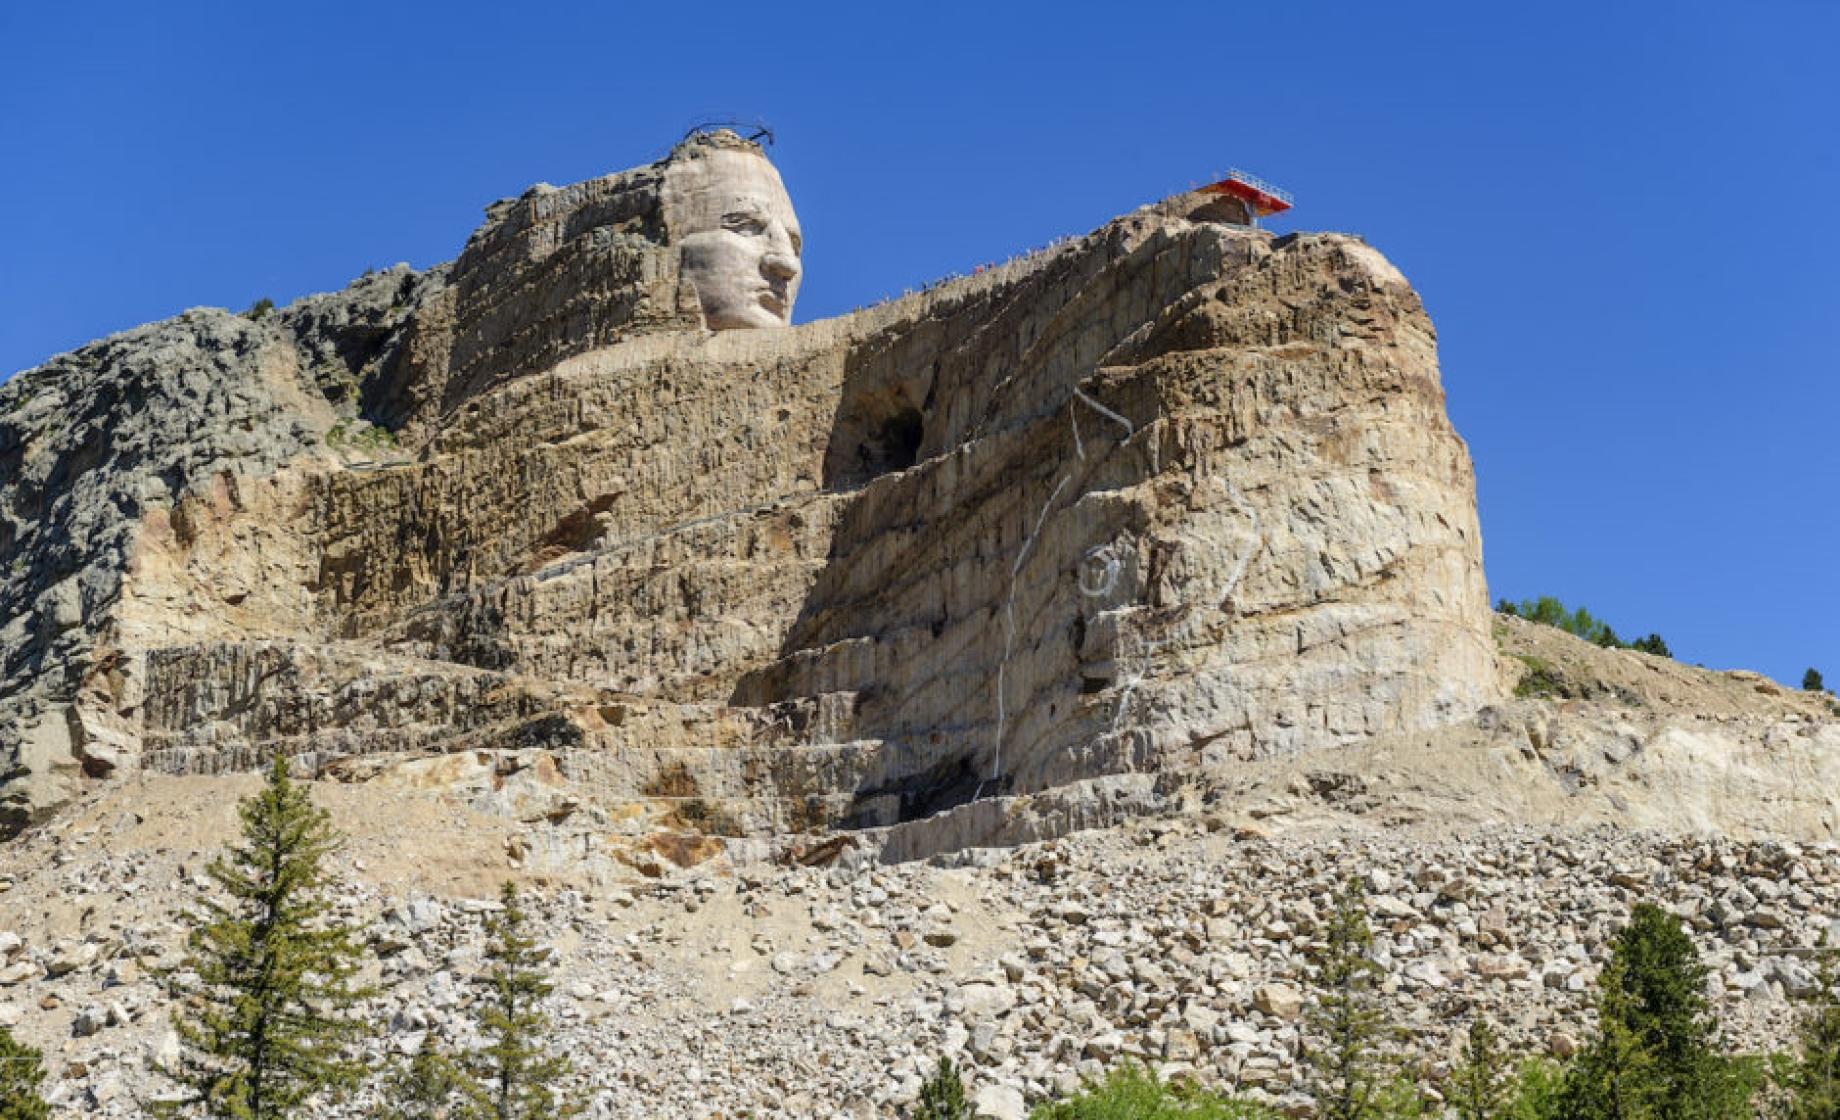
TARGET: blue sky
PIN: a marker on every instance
(1624, 218)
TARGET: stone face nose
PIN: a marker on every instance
(781, 266)
(782, 260)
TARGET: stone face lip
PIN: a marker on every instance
(1170, 497)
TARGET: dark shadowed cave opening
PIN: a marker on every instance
(894, 446)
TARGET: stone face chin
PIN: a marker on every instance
(1165, 498)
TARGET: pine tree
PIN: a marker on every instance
(509, 1077)
(943, 1095)
(1652, 644)
(1655, 1051)
(1812, 682)
(21, 1073)
(1813, 1084)
(1347, 1076)
(1480, 1085)
(428, 1087)
(1545, 610)
(267, 983)
(1614, 1078)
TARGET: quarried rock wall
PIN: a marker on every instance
(1169, 496)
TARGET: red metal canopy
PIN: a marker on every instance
(1255, 192)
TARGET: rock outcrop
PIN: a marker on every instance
(1169, 497)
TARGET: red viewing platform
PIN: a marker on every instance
(1263, 198)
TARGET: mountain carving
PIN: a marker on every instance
(1168, 497)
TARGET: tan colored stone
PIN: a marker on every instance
(1172, 496)
(1281, 1001)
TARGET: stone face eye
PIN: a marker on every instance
(744, 223)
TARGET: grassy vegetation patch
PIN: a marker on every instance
(346, 436)
(1541, 681)
(1130, 1092)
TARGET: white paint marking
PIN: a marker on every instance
(1009, 630)
(1107, 568)
(1190, 622)
(1099, 570)
(1029, 541)
(1129, 428)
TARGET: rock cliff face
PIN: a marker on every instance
(1172, 496)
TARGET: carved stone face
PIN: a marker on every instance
(740, 240)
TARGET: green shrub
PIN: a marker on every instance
(21, 1073)
(1534, 1094)
(1400, 1098)
(1130, 1092)
(1651, 644)
(427, 1087)
(1812, 682)
(259, 310)
(362, 437)
(943, 1095)
(1540, 681)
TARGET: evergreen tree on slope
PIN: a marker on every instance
(1480, 1085)
(1348, 1075)
(1655, 1053)
(1814, 1078)
(942, 1097)
(512, 1077)
(266, 986)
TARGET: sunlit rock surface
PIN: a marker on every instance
(1165, 498)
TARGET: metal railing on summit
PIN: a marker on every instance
(1259, 184)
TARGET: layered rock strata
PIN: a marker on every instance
(1166, 497)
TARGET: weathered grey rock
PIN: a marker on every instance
(98, 450)
(71, 956)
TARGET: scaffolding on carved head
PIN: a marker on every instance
(753, 130)
(1262, 199)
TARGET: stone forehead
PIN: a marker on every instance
(674, 184)
(705, 160)
(697, 188)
